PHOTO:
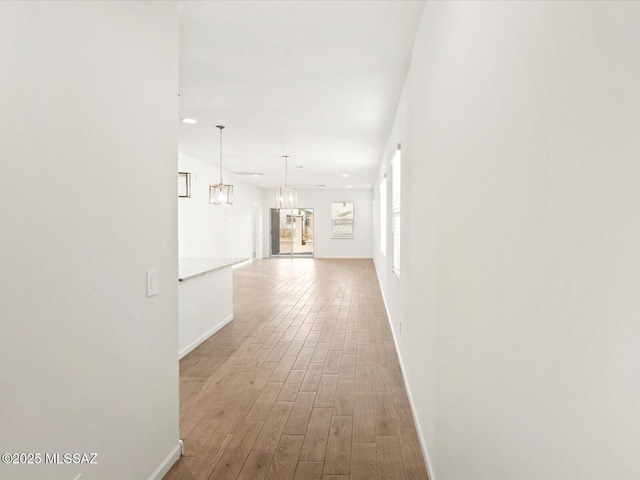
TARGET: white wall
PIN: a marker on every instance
(89, 138)
(520, 268)
(218, 231)
(392, 289)
(320, 200)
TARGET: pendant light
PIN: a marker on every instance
(221, 194)
(286, 197)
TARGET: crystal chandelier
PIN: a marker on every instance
(221, 194)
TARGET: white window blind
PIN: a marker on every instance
(383, 215)
(396, 186)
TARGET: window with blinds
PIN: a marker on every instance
(396, 187)
(383, 215)
(342, 220)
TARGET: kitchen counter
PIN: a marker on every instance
(205, 299)
(189, 267)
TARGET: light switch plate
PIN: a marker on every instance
(152, 282)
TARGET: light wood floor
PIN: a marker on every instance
(304, 384)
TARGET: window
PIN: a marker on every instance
(383, 215)
(396, 186)
(342, 220)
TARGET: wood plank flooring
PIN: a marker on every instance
(304, 383)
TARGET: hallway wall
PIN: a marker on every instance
(89, 137)
(520, 262)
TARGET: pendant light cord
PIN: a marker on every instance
(220, 127)
(286, 162)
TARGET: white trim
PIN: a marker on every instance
(423, 443)
(246, 262)
(204, 336)
(344, 258)
(167, 463)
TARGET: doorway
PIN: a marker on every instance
(292, 232)
(256, 230)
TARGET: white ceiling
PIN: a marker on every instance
(317, 80)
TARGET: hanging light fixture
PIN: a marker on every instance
(286, 197)
(221, 194)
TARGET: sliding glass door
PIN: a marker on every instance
(292, 232)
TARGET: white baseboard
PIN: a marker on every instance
(167, 463)
(204, 336)
(343, 258)
(423, 443)
(246, 262)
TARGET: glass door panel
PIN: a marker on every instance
(292, 232)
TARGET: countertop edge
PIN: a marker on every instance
(227, 262)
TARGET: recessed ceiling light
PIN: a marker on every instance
(190, 121)
(345, 175)
(299, 166)
(349, 186)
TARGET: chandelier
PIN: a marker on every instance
(221, 194)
